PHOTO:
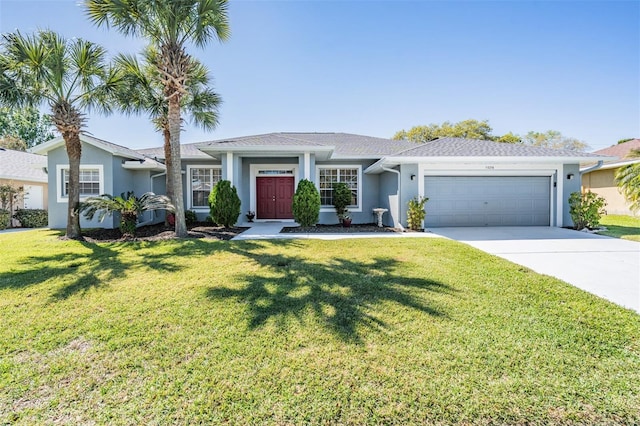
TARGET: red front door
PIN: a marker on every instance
(274, 197)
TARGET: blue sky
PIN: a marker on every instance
(376, 67)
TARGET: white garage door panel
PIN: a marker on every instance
(487, 200)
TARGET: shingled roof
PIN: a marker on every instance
(459, 147)
(22, 166)
(344, 145)
(620, 150)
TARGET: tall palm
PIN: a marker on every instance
(169, 26)
(142, 92)
(628, 181)
(70, 77)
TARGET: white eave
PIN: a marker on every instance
(269, 150)
(615, 165)
(146, 164)
(388, 162)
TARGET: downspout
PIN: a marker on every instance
(148, 221)
(397, 172)
(592, 168)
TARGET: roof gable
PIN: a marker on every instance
(115, 149)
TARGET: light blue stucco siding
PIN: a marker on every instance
(369, 187)
(569, 185)
(58, 209)
(409, 188)
(388, 184)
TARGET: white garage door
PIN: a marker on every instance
(487, 200)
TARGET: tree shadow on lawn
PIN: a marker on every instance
(83, 271)
(341, 293)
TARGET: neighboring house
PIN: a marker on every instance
(601, 181)
(469, 182)
(26, 170)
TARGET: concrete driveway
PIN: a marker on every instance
(607, 267)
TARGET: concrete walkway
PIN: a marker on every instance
(607, 267)
(271, 231)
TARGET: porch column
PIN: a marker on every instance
(230, 167)
(307, 166)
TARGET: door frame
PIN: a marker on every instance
(287, 170)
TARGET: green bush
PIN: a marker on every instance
(224, 204)
(341, 198)
(306, 203)
(586, 209)
(416, 212)
(32, 218)
(190, 217)
(5, 217)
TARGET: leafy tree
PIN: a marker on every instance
(142, 92)
(128, 206)
(586, 209)
(306, 203)
(168, 25)
(628, 181)
(509, 138)
(24, 127)
(341, 199)
(625, 140)
(554, 139)
(69, 76)
(224, 204)
(471, 129)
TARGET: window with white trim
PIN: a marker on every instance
(328, 176)
(89, 182)
(202, 180)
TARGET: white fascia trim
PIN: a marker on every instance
(253, 174)
(147, 165)
(24, 178)
(55, 143)
(291, 149)
(613, 165)
(326, 209)
(59, 167)
(188, 182)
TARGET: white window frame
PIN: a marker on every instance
(62, 198)
(325, 208)
(190, 189)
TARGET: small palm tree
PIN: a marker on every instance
(168, 25)
(142, 92)
(128, 206)
(628, 181)
(69, 76)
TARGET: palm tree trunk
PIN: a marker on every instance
(176, 171)
(74, 151)
(169, 171)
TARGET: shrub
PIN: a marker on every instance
(190, 217)
(306, 203)
(128, 206)
(32, 218)
(586, 209)
(224, 203)
(5, 217)
(341, 198)
(416, 212)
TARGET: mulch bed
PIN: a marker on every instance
(161, 232)
(337, 229)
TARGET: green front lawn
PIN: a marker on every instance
(422, 331)
(625, 227)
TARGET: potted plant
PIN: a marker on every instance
(250, 215)
(345, 219)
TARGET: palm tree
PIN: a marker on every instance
(628, 181)
(169, 25)
(69, 76)
(142, 92)
(129, 206)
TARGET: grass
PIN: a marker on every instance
(619, 226)
(406, 331)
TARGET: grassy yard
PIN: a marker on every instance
(625, 227)
(425, 331)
